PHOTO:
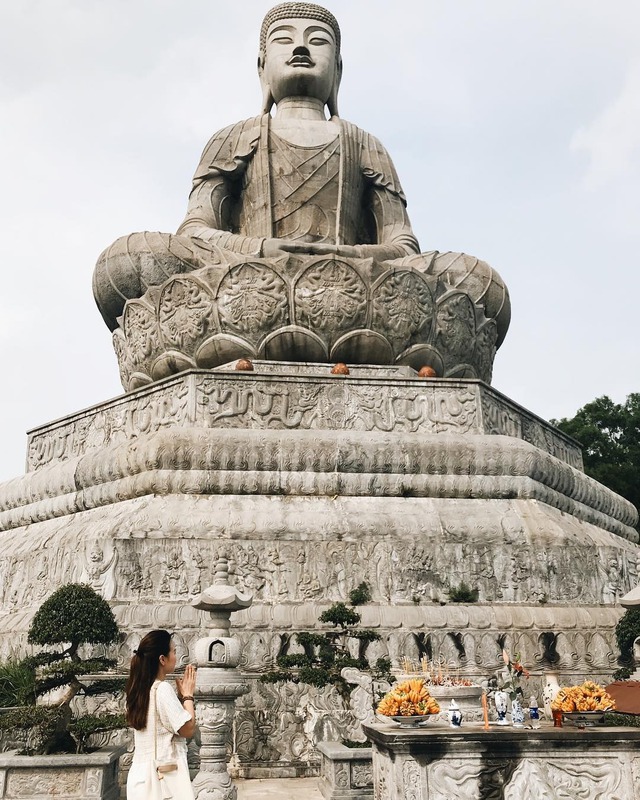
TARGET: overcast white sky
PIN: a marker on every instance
(514, 126)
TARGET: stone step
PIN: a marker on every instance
(278, 789)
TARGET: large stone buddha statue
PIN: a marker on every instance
(296, 244)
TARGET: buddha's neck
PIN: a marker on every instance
(300, 108)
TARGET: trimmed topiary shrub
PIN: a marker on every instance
(327, 654)
(73, 616)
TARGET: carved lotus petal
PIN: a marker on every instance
(422, 355)
(294, 343)
(221, 349)
(140, 330)
(362, 347)
(252, 301)
(185, 312)
(403, 307)
(455, 327)
(330, 298)
(169, 363)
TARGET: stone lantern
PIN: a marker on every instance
(219, 683)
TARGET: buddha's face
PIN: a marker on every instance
(300, 59)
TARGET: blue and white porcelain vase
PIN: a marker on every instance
(455, 715)
(501, 699)
(517, 713)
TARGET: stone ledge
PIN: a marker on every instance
(230, 399)
(331, 463)
(338, 750)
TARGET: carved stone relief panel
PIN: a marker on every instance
(50, 783)
(361, 774)
(121, 420)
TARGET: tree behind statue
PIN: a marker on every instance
(610, 435)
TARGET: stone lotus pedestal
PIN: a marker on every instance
(219, 683)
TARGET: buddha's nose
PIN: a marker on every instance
(301, 50)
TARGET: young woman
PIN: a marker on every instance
(160, 720)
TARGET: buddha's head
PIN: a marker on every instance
(300, 55)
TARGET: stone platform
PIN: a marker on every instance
(312, 483)
(559, 764)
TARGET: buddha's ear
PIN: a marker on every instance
(332, 102)
(267, 97)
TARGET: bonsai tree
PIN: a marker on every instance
(627, 631)
(74, 615)
(326, 654)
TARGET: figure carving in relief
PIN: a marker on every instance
(173, 580)
(398, 575)
(249, 569)
(165, 585)
(339, 574)
(200, 565)
(131, 571)
(308, 585)
(612, 589)
(277, 567)
(381, 588)
(509, 585)
(99, 571)
(419, 566)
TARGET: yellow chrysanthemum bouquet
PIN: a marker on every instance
(408, 699)
(589, 696)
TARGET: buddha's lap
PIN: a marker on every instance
(139, 261)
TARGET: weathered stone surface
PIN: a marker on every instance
(545, 764)
(345, 773)
(311, 435)
(93, 776)
(304, 397)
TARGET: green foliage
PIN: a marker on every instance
(610, 435)
(627, 631)
(463, 594)
(81, 728)
(325, 655)
(74, 615)
(340, 615)
(40, 724)
(611, 719)
(62, 672)
(17, 683)
(360, 595)
(49, 730)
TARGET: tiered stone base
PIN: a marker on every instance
(312, 483)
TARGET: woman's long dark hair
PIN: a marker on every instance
(142, 673)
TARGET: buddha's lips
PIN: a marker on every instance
(300, 61)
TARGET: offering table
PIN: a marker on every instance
(470, 763)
